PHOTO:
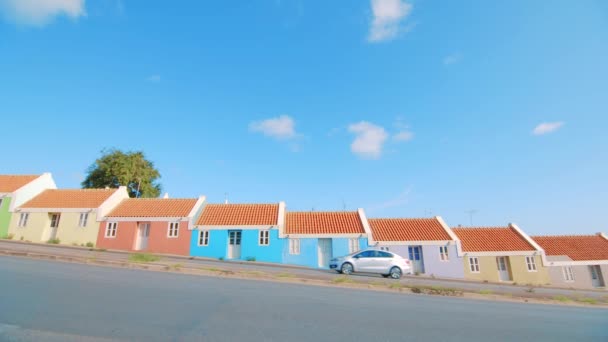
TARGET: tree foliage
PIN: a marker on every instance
(131, 169)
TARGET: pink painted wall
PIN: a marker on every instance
(158, 241)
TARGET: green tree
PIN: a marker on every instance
(131, 169)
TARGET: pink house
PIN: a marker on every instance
(154, 225)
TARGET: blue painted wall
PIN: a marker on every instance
(250, 246)
(309, 251)
(217, 248)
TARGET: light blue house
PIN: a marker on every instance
(239, 232)
(428, 243)
(313, 238)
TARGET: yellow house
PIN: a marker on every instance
(502, 254)
(66, 216)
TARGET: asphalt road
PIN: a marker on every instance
(53, 301)
(302, 272)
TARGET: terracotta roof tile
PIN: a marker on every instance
(408, 229)
(239, 215)
(491, 239)
(69, 198)
(318, 222)
(154, 207)
(10, 183)
(577, 247)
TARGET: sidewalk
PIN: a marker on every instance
(277, 272)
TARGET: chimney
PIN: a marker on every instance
(166, 195)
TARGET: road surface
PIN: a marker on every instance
(54, 301)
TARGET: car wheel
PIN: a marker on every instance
(386, 275)
(347, 268)
(395, 272)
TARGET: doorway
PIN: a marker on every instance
(234, 244)
(502, 263)
(143, 233)
(324, 252)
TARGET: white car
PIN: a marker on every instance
(372, 261)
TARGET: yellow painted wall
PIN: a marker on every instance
(68, 232)
(488, 270)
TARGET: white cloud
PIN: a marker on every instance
(403, 136)
(387, 18)
(452, 58)
(369, 139)
(547, 127)
(41, 12)
(153, 78)
(282, 127)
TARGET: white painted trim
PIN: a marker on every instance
(576, 263)
(196, 211)
(112, 202)
(146, 219)
(169, 229)
(543, 256)
(459, 252)
(56, 210)
(105, 232)
(198, 238)
(267, 237)
(324, 236)
(411, 243)
(236, 227)
(497, 254)
(38, 185)
(366, 227)
(603, 235)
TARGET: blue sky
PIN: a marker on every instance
(404, 108)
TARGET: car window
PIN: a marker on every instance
(382, 254)
(366, 254)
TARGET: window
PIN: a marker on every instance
(353, 245)
(82, 222)
(54, 220)
(23, 219)
(264, 237)
(294, 246)
(366, 254)
(530, 262)
(385, 249)
(203, 238)
(443, 253)
(474, 264)
(414, 252)
(380, 254)
(568, 273)
(173, 229)
(111, 229)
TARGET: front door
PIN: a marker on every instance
(234, 244)
(503, 268)
(54, 226)
(143, 232)
(415, 254)
(596, 276)
(324, 252)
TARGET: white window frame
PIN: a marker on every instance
(264, 237)
(111, 230)
(173, 230)
(23, 218)
(83, 220)
(353, 245)
(294, 246)
(203, 238)
(385, 249)
(443, 253)
(568, 274)
(57, 217)
(474, 265)
(531, 264)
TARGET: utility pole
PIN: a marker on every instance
(471, 212)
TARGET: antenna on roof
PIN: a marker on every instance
(225, 198)
(471, 212)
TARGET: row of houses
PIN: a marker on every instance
(33, 209)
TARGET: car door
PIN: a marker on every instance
(364, 261)
(384, 261)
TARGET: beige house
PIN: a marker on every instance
(66, 216)
(577, 261)
(501, 254)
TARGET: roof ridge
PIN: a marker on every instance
(566, 235)
(402, 218)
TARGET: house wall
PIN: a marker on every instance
(68, 232)
(582, 275)
(308, 253)
(32, 189)
(433, 265)
(217, 248)
(158, 241)
(251, 248)
(5, 216)
(488, 270)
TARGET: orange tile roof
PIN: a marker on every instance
(239, 215)
(577, 247)
(10, 183)
(154, 207)
(69, 198)
(491, 239)
(319, 222)
(408, 229)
